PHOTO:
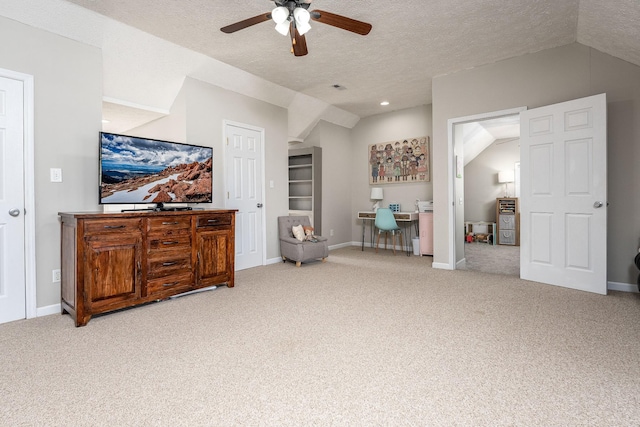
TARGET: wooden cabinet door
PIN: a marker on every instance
(214, 257)
(112, 274)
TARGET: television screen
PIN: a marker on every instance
(141, 170)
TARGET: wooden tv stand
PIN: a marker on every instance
(112, 261)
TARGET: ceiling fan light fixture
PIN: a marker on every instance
(302, 18)
(303, 28)
(280, 14)
(302, 15)
(283, 28)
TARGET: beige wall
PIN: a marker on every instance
(68, 110)
(207, 107)
(544, 78)
(481, 187)
(335, 142)
(393, 126)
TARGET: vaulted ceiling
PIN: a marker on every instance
(412, 41)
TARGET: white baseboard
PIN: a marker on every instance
(340, 246)
(441, 265)
(622, 287)
(274, 260)
(48, 310)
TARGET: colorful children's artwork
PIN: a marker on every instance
(400, 162)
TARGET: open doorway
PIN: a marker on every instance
(486, 163)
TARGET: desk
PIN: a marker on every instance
(403, 218)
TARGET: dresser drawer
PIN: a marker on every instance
(507, 222)
(172, 284)
(169, 225)
(167, 263)
(164, 243)
(213, 220)
(104, 226)
(507, 237)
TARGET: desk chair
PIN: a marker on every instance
(386, 223)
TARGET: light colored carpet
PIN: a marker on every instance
(365, 339)
(497, 259)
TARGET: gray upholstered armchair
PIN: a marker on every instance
(295, 250)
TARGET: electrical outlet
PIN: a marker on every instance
(331, 232)
(56, 276)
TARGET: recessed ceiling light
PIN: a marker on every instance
(105, 121)
(384, 103)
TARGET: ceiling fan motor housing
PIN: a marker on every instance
(292, 4)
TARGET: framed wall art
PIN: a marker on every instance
(400, 162)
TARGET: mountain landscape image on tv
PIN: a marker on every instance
(141, 170)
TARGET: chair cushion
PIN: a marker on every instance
(298, 232)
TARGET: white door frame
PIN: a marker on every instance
(29, 189)
(451, 176)
(226, 122)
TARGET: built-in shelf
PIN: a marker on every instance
(305, 184)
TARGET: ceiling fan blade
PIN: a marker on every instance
(246, 23)
(298, 42)
(340, 21)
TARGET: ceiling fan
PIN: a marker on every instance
(292, 17)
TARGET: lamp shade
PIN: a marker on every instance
(506, 176)
(376, 193)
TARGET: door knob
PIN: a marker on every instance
(14, 212)
(259, 205)
(597, 204)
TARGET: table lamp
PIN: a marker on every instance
(505, 177)
(376, 194)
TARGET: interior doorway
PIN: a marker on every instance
(482, 146)
(17, 219)
(244, 160)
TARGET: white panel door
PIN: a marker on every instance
(243, 165)
(563, 150)
(12, 224)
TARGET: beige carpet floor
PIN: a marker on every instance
(497, 259)
(365, 339)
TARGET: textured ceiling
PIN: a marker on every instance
(411, 42)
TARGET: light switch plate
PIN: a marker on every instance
(56, 174)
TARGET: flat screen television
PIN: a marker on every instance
(137, 170)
